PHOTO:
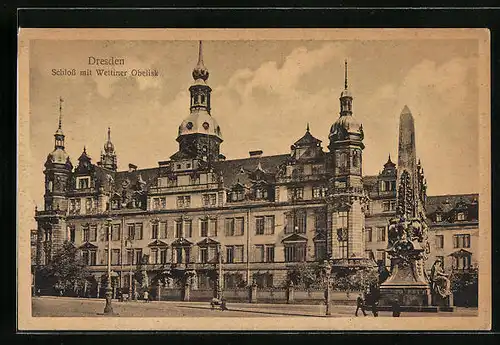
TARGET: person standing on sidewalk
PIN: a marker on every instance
(396, 310)
(360, 304)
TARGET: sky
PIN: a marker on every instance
(264, 94)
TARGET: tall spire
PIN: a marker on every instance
(345, 75)
(200, 71)
(59, 135)
(109, 134)
(307, 129)
(60, 112)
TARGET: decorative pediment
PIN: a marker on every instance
(320, 236)
(294, 238)
(182, 242)
(460, 253)
(157, 243)
(206, 242)
(88, 245)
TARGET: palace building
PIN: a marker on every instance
(263, 214)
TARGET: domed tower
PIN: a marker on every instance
(346, 194)
(199, 134)
(108, 157)
(57, 172)
(52, 220)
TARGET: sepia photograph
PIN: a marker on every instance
(217, 179)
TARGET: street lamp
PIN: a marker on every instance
(108, 309)
(128, 244)
(327, 270)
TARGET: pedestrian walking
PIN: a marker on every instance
(146, 296)
(396, 310)
(360, 304)
(375, 308)
(223, 304)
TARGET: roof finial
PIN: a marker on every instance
(389, 157)
(307, 129)
(200, 53)
(345, 78)
(109, 134)
(60, 111)
(84, 149)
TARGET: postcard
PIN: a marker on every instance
(260, 179)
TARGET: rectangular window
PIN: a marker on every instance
(204, 227)
(259, 225)
(188, 228)
(368, 234)
(163, 203)
(438, 218)
(295, 253)
(270, 253)
(178, 255)
(229, 226)
(82, 182)
(163, 229)
(343, 233)
(130, 256)
(213, 227)
(317, 192)
(238, 253)
(296, 193)
(131, 231)
(93, 233)
(301, 222)
(115, 256)
(203, 255)
(259, 253)
(269, 225)
(461, 241)
(86, 233)
(178, 229)
(138, 256)
(289, 224)
(381, 234)
(115, 232)
(156, 203)
(163, 256)
(239, 226)
(72, 233)
(184, 201)
(88, 204)
(138, 231)
(85, 257)
(460, 216)
(153, 258)
(209, 199)
(154, 231)
(229, 254)
(439, 241)
(320, 250)
(93, 258)
(320, 220)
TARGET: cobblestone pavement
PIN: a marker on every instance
(82, 307)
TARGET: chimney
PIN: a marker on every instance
(132, 167)
(255, 154)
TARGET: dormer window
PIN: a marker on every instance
(438, 218)
(83, 182)
(460, 216)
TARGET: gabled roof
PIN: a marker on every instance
(307, 140)
(88, 245)
(207, 242)
(157, 243)
(236, 170)
(460, 253)
(295, 238)
(448, 202)
(320, 236)
(181, 242)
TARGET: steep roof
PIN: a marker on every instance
(239, 169)
(448, 202)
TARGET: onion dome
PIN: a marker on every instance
(200, 72)
(58, 156)
(200, 122)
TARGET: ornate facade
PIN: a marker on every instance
(263, 213)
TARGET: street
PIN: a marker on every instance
(82, 307)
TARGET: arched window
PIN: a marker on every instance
(355, 159)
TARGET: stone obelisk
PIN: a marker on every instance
(408, 245)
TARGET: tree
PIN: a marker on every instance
(65, 272)
(464, 285)
(305, 275)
